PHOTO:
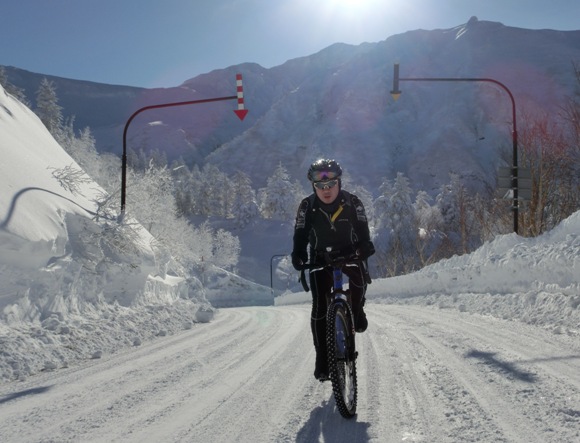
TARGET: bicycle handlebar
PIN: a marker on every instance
(331, 261)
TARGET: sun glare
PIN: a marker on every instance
(352, 9)
(344, 21)
(351, 4)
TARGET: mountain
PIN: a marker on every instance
(337, 103)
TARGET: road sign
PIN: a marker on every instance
(240, 112)
(505, 183)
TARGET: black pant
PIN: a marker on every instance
(321, 282)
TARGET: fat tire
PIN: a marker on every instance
(342, 358)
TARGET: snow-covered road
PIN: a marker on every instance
(425, 374)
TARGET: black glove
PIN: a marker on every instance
(365, 249)
(298, 259)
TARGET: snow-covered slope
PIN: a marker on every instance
(337, 103)
(67, 274)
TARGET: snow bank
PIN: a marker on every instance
(73, 285)
(224, 289)
(535, 280)
(509, 264)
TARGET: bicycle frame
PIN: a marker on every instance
(338, 293)
(337, 279)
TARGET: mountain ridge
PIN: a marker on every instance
(337, 103)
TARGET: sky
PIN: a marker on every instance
(162, 44)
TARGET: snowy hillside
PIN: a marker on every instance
(337, 103)
(71, 284)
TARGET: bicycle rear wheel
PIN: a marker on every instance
(342, 358)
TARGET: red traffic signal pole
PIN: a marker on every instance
(240, 112)
(396, 94)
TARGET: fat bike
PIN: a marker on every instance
(340, 335)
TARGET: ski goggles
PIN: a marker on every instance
(318, 176)
(327, 184)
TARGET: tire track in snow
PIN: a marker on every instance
(424, 374)
(479, 362)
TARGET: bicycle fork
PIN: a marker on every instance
(341, 294)
(344, 342)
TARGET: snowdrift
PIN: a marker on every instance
(74, 284)
(534, 280)
(506, 265)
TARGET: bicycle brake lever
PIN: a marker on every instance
(303, 281)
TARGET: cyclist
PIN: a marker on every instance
(331, 219)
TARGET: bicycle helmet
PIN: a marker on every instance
(324, 169)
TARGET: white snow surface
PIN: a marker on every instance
(67, 292)
(101, 345)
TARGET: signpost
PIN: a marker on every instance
(240, 112)
(272, 270)
(396, 93)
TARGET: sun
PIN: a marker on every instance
(351, 6)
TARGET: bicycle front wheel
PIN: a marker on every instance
(342, 358)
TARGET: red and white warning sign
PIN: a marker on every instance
(241, 111)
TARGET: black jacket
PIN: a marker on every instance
(341, 226)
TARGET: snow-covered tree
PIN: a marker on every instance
(382, 227)
(245, 208)
(47, 107)
(402, 215)
(403, 227)
(150, 200)
(109, 176)
(428, 217)
(226, 249)
(204, 242)
(82, 149)
(429, 221)
(448, 203)
(382, 205)
(367, 200)
(396, 228)
(455, 207)
(279, 199)
(189, 186)
(211, 196)
(16, 92)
